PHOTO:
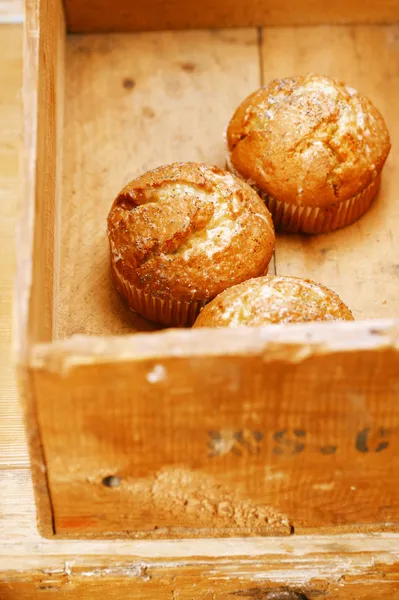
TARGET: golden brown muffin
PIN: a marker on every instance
(271, 299)
(313, 148)
(181, 234)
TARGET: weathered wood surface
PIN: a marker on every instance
(333, 567)
(259, 578)
(328, 567)
(205, 431)
(12, 443)
(36, 280)
(136, 126)
(318, 425)
(123, 15)
(134, 102)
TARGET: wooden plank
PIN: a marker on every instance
(359, 262)
(123, 15)
(344, 566)
(340, 567)
(134, 102)
(13, 450)
(264, 579)
(44, 34)
(17, 513)
(44, 42)
(302, 420)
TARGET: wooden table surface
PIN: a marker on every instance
(15, 488)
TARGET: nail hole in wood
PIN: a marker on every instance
(112, 481)
(128, 83)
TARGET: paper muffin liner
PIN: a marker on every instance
(309, 219)
(167, 311)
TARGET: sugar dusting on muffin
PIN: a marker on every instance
(181, 234)
(269, 299)
(309, 141)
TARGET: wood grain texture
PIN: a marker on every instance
(338, 567)
(209, 579)
(207, 429)
(123, 15)
(359, 262)
(13, 450)
(122, 94)
(134, 102)
(44, 40)
(103, 149)
(342, 567)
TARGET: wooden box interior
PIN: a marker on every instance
(134, 101)
(110, 106)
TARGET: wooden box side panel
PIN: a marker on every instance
(242, 442)
(124, 15)
(44, 43)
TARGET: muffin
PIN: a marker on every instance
(183, 233)
(313, 148)
(267, 300)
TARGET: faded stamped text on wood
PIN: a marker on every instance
(212, 441)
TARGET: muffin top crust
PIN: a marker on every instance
(273, 299)
(308, 140)
(189, 231)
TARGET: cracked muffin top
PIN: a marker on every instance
(271, 299)
(308, 140)
(188, 231)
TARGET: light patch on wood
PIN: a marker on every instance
(202, 502)
(325, 487)
(157, 374)
(130, 571)
(291, 343)
(11, 11)
(271, 474)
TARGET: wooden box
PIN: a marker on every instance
(210, 433)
